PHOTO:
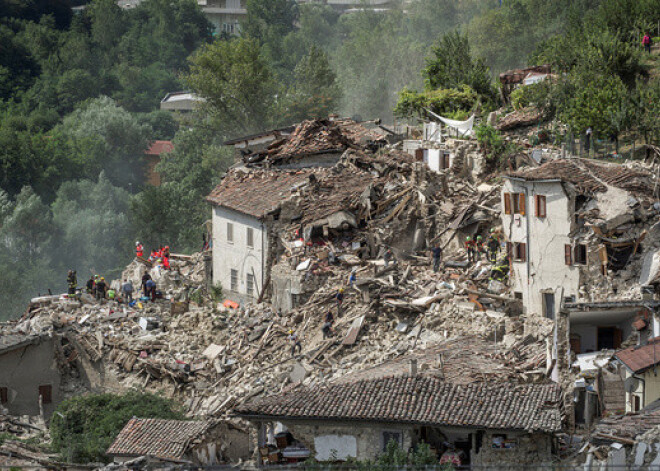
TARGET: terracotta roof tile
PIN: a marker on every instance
(640, 358)
(158, 438)
(159, 147)
(590, 177)
(256, 192)
(421, 400)
(629, 426)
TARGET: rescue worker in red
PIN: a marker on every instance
(470, 248)
(139, 250)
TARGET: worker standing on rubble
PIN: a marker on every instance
(295, 343)
(327, 324)
(493, 246)
(146, 277)
(139, 250)
(101, 288)
(470, 249)
(479, 248)
(339, 297)
(151, 289)
(436, 254)
(127, 291)
(90, 284)
(352, 278)
(72, 281)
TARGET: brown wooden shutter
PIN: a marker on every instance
(4, 395)
(507, 203)
(522, 247)
(509, 250)
(537, 206)
(568, 254)
(46, 393)
(521, 203)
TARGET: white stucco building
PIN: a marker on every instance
(244, 204)
(537, 221)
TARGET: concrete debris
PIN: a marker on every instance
(376, 263)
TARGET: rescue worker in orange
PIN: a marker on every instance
(139, 250)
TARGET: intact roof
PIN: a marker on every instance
(420, 400)
(157, 438)
(159, 147)
(588, 176)
(256, 192)
(642, 357)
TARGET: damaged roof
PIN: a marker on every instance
(420, 400)
(13, 341)
(640, 358)
(157, 438)
(159, 147)
(518, 75)
(320, 136)
(589, 177)
(257, 192)
(628, 426)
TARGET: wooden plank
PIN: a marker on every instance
(353, 332)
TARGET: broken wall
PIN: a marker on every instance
(533, 449)
(23, 371)
(545, 270)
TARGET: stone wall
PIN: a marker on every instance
(528, 449)
(369, 437)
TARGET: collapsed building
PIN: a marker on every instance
(487, 371)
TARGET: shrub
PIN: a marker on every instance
(83, 427)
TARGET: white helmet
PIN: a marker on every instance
(137, 243)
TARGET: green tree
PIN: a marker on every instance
(237, 84)
(452, 66)
(315, 92)
(111, 138)
(83, 427)
(26, 229)
(93, 227)
(269, 22)
(173, 213)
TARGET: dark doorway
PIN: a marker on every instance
(609, 338)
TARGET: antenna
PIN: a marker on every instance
(631, 384)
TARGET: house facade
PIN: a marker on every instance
(226, 15)
(640, 370)
(477, 423)
(244, 206)
(29, 394)
(537, 218)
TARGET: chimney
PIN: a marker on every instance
(413, 367)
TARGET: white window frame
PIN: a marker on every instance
(230, 232)
(249, 284)
(250, 237)
(233, 280)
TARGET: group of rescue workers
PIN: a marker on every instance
(160, 256)
(475, 247)
(100, 289)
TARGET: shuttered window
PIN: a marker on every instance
(507, 203)
(568, 254)
(520, 252)
(540, 206)
(520, 204)
(4, 395)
